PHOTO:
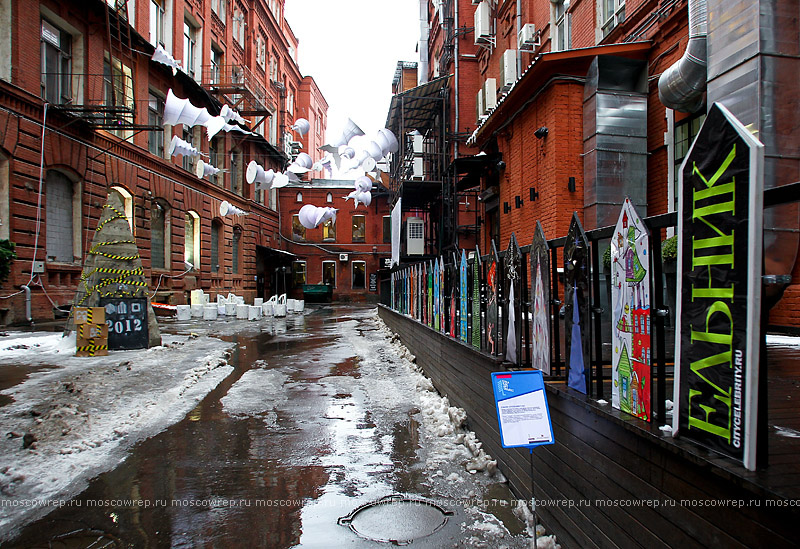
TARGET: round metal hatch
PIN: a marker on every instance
(396, 519)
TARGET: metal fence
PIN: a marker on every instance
(431, 292)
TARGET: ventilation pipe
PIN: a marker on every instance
(27, 291)
(681, 86)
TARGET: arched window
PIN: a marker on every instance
(216, 234)
(127, 202)
(329, 197)
(299, 197)
(62, 218)
(159, 235)
(235, 248)
(191, 239)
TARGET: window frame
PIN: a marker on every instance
(236, 250)
(63, 53)
(612, 13)
(75, 218)
(387, 231)
(192, 247)
(353, 275)
(329, 231)
(299, 273)
(298, 231)
(562, 23)
(217, 232)
(157, 26)
(359, 222)
(166, 237)
(155, 117)
(333, 263)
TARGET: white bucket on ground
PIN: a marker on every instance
(254, 312)
(197, 310)
(184, 312)
(242, 312)
(210, 312)
(230, 309)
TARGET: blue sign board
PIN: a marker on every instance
(522, 411)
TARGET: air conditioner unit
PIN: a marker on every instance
(527, 38)
(344, 257)
(415, 236)
(480, 106)
(483, 24)
(508, 70)
(490, 94)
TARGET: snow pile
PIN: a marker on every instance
(451, 449)
(72, 422)
(257, 393)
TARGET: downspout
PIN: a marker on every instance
(682, 85)
(27, 291)
(422, 74)
(455, 38)
(519, 28)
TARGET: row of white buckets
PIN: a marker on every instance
(233, 306)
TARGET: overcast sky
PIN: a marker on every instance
(351, 49)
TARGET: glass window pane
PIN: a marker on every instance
(359, 228)
(359, 274)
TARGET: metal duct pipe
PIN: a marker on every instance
(681, 86)
(27, 291)
(422, 74)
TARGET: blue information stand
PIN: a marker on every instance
(523, 415)
(522, 411)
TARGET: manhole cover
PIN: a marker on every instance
(396, 519)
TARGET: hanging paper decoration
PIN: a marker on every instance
(311, 216)
(301, 126)
(162, 56)
(630, 325)
(179, 146)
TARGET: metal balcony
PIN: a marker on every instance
(241, 88)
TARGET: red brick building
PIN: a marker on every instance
(82, 110)
(561, 98)
(347, 254)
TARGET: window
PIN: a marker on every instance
(329, 273)
(290, 101)
(563, 28)
(329, 197)
(118, 93)
(273, 198)
(56, 64)
(159, 235)
(155, 117)
(298, 273)
(613, 14)
(387, 229)
(273, 129)
(273, 66)
(299, 197)
(60, 217)
(216, 234)
(685, 132)
(359, 228)
(236, 171)
(191, 239)
(189, 47)
(238, 26)
(298, 231)
(235, 249)
(217, 64)
(359, 275)
(127, 203)
(261, 51)
(157, 23)
(216, 159)
(218, 7)
(329, 230)
(188, 136)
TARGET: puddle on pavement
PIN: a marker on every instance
(13, 374)
(223, 481)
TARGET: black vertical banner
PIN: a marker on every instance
(720, 270)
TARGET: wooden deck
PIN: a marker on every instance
(612, 480)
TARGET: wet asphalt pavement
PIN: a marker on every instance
(310, 425)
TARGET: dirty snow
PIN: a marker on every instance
(85, 413)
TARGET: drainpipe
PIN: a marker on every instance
(422, 74)
(455, 38)
(27, 291)
(681, 86)
(519, 28)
